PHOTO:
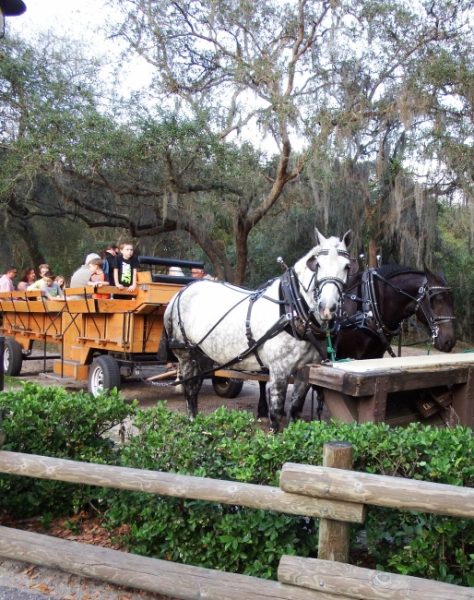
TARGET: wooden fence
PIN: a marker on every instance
(337, 496)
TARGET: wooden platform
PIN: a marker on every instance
(399, 390)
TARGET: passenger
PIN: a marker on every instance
(97, 277)
(176, 272)
(201, 274)
(61, 281)
(109, 259)
(48, 287)
(82, 275)
(29, 277)
(6, 280)
(126, 267)
(43, 268)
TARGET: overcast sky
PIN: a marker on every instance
(80, 20)
(64, 17)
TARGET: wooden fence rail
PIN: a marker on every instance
(356, 582)
(150, 574)
(335, 495)
(378, 490)
(178, 486)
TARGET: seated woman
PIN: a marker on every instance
(28, 278)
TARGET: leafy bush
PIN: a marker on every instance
(50, 421)
(229, 445)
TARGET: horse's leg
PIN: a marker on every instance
(262, 410)
(277, 386)
(191, 383)
(300, 390)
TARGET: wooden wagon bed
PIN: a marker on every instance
(399, 390)
(82, 328)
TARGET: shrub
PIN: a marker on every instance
(50, 421)
(229, 445)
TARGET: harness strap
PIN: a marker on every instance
(276, 328)
(248, 330)
(297, 312)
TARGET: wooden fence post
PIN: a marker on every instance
(334, 535)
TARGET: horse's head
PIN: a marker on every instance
(437, 312)
(323, 274)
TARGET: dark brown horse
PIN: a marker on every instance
(376, 302)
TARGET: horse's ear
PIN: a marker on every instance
(312, 263)
(320, 239)
(347, 238)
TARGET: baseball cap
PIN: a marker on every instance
(90, 257)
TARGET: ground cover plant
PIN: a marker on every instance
(231, 445)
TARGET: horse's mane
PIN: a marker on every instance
(393, 269)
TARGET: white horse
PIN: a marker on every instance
(277, 327)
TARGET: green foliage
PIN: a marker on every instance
(50, 421)
(229, 445)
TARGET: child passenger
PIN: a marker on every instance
(48, 287)
(97, 277)
(61, 281)
(126, 267)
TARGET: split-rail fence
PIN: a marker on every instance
(332, 492)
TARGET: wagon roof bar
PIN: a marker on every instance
(169, 262)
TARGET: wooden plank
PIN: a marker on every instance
(379, 490)
(463, 401)
(341, 406)
(406, 363)
(179, 486)
(333, 539)
(374, 407)
(367, 584)
(149, 574)
(246, 375)
(334, 379)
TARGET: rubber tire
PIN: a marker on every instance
(226, 387)
(104, 375)
(12, 357)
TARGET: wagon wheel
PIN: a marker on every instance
(225, 387)
(12, 357)
(104, 375)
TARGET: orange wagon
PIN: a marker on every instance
(98, 340)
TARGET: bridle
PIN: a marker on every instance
(434, 321)
(371, 308)
(318, 284)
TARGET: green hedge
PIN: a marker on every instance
(230, 445)
(53, 422)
